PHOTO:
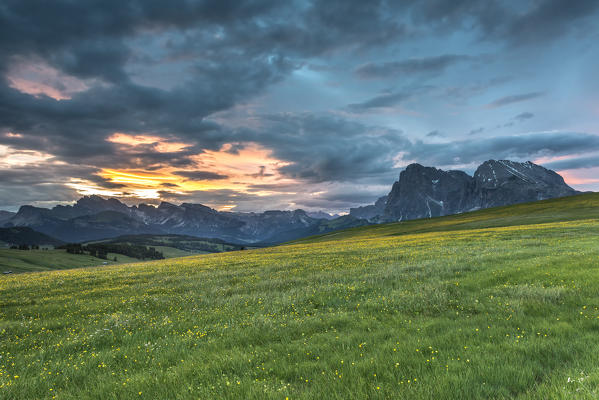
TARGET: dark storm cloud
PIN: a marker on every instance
(78, 127)
(504, 101)
(34, 184)
(105, 183)
(200, 175)
(14, 195)
(328, 148)
(527, 24)
(503, 147)
(254, 49)
(487, 16)
(429, 65)
(44, 173)
(86, 39)
(550, 19)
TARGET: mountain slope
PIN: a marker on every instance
(26, 236)
(5, 215)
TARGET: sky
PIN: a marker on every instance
(249, 105)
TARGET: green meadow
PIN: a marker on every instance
(48, 260)
(496, 304)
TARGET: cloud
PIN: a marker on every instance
(548, 20)
(504, 101)
(529, 24)
(518, 147)
(261, 173)
(324, 147)
(200, 175)
(434, 134)
(382, 101)
(574, 163)
(388, 100)
(430, 65)
(230, 52)
(524, 116)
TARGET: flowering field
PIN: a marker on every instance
(483, 305)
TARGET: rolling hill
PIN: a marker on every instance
(19, 261)
(499, 303)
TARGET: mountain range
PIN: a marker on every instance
(93, 217)
(420, 192)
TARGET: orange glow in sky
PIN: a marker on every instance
(240, 164)
(571, 178)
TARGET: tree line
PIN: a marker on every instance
(25, 247)
(101, 250)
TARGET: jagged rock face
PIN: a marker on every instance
(370, 212)
(503, 182)
(89, 205)
(424, 192)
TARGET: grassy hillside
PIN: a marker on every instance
(498, 304)
(47, 260)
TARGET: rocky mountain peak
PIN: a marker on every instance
(424, 192)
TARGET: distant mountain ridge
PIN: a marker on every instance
(93, 217)
(425, 192)
(420, 192)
